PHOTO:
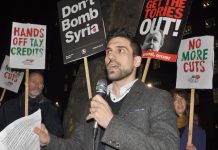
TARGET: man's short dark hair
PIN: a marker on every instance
(122, 32)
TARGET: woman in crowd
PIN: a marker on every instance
(180, 102)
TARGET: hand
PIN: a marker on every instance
(100, 111)
(43, 134)
(191, 147)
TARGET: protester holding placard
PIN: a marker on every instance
(180, 101)
(14, 109)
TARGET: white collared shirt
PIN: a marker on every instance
(123, 91)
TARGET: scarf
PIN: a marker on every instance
(181, 122)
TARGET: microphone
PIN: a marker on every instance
(101, 89)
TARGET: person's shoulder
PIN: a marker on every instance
(47, 102)
(44, 99)
(198, 129)
(154, 90)
(198, 133)
(157, 90)
(11, 101)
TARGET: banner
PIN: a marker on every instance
(161, 26)
(195, 63)
(81, 28)
(10, 79)
(28, 42)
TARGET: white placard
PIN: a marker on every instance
(10, 79)
(28, 46)
(195, 63)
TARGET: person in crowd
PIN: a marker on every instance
(131, 117)
(14, 109)
(180, 101)
(153, 41)
(196, 119)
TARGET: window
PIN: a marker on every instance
(209, 23)
(207, 3)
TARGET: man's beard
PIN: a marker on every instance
(120, 74)
(35, 93)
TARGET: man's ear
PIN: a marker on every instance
(137, 61)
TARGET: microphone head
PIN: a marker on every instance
(101, 87)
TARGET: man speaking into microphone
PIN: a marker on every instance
(131, 117)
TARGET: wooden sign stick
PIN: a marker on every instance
(2, 96)
(87, 77)
(191, 115)
(146, 69)
(26, 92)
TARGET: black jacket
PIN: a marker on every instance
(15, 108)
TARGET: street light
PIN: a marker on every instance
(149, 85)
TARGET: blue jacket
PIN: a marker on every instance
(198, 138)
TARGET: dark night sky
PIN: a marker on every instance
(24, 11)
(42, 12)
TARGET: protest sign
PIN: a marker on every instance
(195, 63)
(10, 79)
(81, 28)
(28, 42)
(161, 26)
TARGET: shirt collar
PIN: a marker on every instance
(123, 91)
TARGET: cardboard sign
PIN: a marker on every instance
(28, 42)
(10, 79)
(161, 28)
(82, 29)
(195, 63)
